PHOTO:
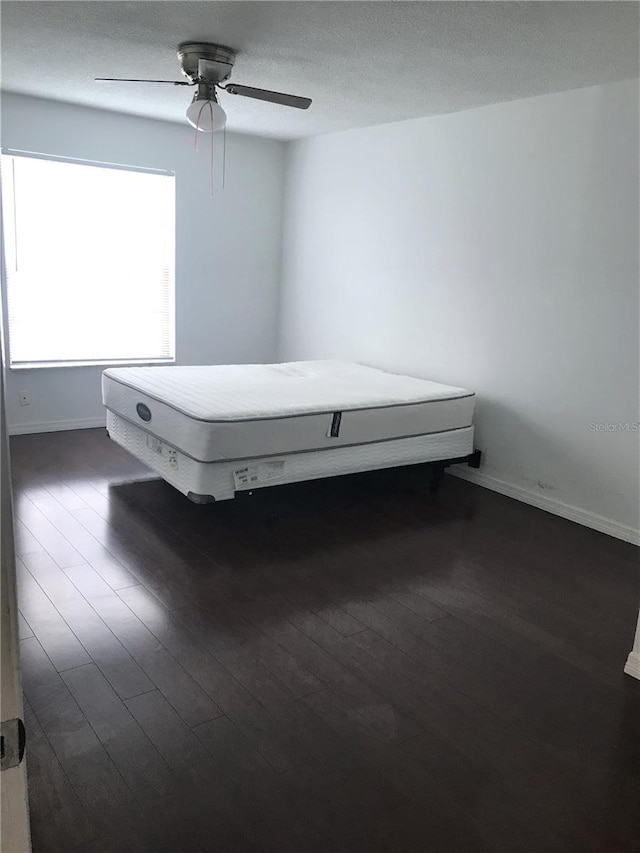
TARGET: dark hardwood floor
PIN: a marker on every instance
(346, 665)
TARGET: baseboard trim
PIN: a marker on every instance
(632, 666)
(56, 426)
(549, 504)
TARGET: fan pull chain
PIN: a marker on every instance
(195, 143)
(195, 137)
(224, 153)
(211, 113)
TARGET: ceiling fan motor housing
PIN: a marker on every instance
(202, 60)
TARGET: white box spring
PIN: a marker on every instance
(237, 412)
(221, 480)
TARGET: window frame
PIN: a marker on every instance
(4, 284)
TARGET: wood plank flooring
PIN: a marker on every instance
(346, 666)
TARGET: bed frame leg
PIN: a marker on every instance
(474, 459)
(438, 468)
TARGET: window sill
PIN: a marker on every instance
(47, 365)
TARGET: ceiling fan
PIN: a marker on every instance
(207, 66)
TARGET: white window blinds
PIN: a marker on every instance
(90, 257)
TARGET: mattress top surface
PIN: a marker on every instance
(233, 392)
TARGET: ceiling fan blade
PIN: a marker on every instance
(266, 95)
(134, 80)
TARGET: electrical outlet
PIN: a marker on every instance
(25, 399)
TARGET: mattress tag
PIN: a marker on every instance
(245, 477)
(253, 474)
(154, 444)
(334, 429)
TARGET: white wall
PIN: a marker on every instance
(495, 249)
(228, 248)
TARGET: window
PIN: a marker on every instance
(89, 258)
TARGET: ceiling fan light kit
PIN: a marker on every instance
(204, 112)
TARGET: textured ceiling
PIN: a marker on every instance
(363, 63)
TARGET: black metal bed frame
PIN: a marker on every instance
(438, 468)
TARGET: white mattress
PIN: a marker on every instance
(230, 412)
